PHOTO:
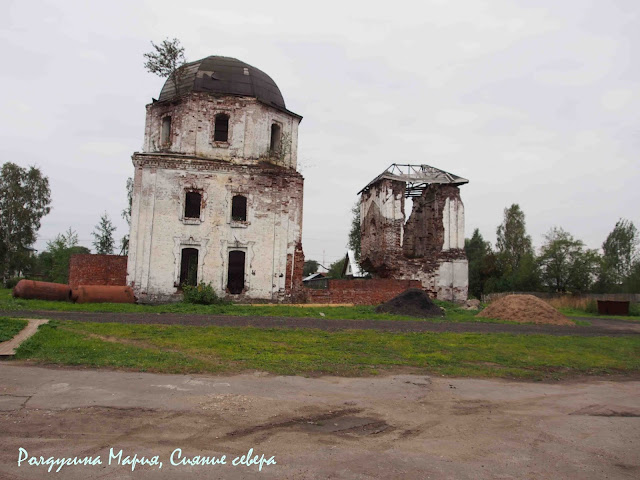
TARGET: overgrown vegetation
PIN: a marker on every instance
(181, 349)
(202, 294)
(9, 327)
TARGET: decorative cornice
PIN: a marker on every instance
(188, 162)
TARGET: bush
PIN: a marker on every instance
(634, 309)
(203, 294)
(12, 282)
(592, 306)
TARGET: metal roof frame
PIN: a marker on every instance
(416, 178)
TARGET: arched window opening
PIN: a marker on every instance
(239, 208)
(235, 277)
(221, 131)
(189, 267)
(192, 204)
(276, 138)
(165, 136)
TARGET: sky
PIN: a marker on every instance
(535, 102)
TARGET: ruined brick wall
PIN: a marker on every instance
(294, 274)
(87, 269)
(428, 248)
(360, 291)
(382, 220)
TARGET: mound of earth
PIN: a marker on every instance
(413, 302)
(524, 309)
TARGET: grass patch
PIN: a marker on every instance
(573, 312)
(185, 349)
(358, 312)
(9, 327)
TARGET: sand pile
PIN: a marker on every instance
(413, 302)
(524, 309)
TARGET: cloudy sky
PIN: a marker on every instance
(535, 102)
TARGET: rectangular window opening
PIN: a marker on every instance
(221, 131)
(192, 205)
(239, 208)
(166, 130)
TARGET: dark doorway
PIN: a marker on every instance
(239, 208)
(192, 204)
(189, 267)
(235, 282)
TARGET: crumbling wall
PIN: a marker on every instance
(381, 223)
(193, 125)
(86, 269)
(429, 247)
(270, 237)
(359, 291)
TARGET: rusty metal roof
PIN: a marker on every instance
(225, 76)
(417, 177)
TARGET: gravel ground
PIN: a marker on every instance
(395, 427)
(598, 327)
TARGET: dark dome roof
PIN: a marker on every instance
(226, 76)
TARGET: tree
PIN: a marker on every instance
(515, 255)
(620, 253)
(166, 61)
(24, 199)
(310, 266)
(477, 250)
(103, 236)
(336, 268)
(566, 265)
(53, 263)
(126, 214)
(355, 233)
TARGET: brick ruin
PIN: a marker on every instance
(217, 197)
(429, 245)
(87, 269)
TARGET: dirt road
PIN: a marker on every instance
(597, 327)
(395, 427)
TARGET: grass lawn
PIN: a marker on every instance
(359, 312)
(574, 312)
(186, 349)
(9, 327)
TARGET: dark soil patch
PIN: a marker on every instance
(412, 302)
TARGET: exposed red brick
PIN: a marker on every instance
(360, 291)
(97, 270)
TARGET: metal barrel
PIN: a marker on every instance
(42, 290)
(102, 294)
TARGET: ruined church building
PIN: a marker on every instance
(217, 197)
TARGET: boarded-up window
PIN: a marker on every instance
(239, 208)
(189, 267)
(192, 204)
(221, 131)
(235, 277)
(276, 134)
(166, 131)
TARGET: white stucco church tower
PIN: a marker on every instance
(217, 197)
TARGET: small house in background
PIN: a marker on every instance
(316, 280)
(351, 269)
